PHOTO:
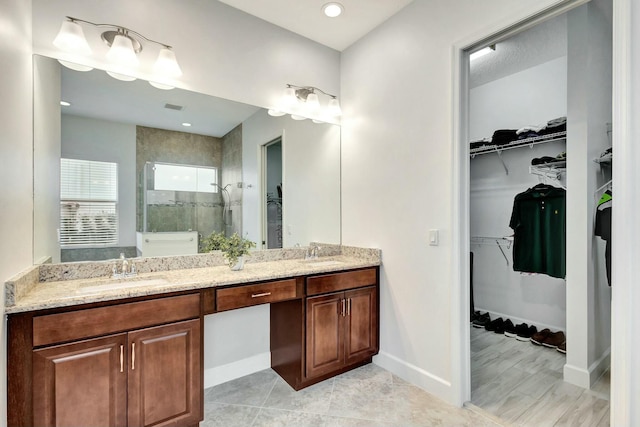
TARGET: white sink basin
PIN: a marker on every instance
(122, 284)
(326, 263)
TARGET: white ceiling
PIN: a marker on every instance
(305, 17)
(96, 95)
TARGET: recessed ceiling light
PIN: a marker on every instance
(332, 9)
(65, 103)
(185, 124)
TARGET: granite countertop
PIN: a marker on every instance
(62, 293)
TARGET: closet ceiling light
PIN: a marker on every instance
(332, 9)
(125, 44)
(482, 52)
(304, 102)
(65, 103)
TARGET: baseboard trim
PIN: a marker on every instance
(585, 378)
(231, 371)
(415, 375)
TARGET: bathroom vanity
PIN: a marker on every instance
(134, 355)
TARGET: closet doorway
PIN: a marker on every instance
(272, 200)
(539, 109)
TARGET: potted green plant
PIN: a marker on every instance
(213, 242)
(234, 248)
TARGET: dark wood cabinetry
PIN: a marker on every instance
(148, 376)
(340, 314)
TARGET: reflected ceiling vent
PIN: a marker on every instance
(173, 107)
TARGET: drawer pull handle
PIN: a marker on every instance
(264, 294)
(133, 356)
(343, 307)
(121, 358)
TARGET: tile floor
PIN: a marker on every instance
(513, 384)
(368, 397)
(521, 384)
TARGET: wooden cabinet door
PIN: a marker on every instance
(325, 334)
(81, 384)
(361, 323)
(165, 387)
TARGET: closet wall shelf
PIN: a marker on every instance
(529, 142)
(500, 242)
(553, 170)
(604, 160)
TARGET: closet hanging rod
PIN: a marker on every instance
(528, 142)
(497, 241)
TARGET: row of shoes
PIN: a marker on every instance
(521, 332)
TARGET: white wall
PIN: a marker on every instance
(311, 176)
(100, 140)
(398, 168)
(589, 111)
(46, 159)
(222, 51)
(529, 97)
(16, 152)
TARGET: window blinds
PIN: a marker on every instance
(88, 203)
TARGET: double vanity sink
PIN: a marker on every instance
(85, 349)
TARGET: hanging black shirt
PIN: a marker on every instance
(539, 225)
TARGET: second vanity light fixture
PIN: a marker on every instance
(303, 102)
(124, 45)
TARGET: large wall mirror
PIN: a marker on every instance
(130, 168)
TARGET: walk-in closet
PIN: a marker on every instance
(540, 203)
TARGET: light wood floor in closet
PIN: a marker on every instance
(521, 384)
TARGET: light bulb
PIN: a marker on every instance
(161, 85)
(121, 51)
(334, 107)
(289, 97)
(166, 64)
(332, 9)
(120, 76)
(313, 103)
(71, 38)
(297, 117)
(74, 66)
(275, 113)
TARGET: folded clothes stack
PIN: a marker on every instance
(562, 157)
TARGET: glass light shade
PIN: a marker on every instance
(161, 86)
(74, 66)
(334, 107)
(166, 64)
(121, 52)
(289, 97)
(71, 38)
(313, 103)
(275, 113)
(119, 76)
(297, 117)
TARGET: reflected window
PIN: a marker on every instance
(185, 178)
(88, 203)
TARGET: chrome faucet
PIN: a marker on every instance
(312, 252)
(127, 269)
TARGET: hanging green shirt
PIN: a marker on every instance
(539, 224)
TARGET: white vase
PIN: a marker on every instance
(239, 265)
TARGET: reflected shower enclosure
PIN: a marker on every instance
(181, 198)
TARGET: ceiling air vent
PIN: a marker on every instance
(173, 107)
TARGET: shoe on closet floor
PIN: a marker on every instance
(539, 337)
(562, 348)
(554, 339)
(527, 332)
(509, 329)
(481, 321)
(495, 324)
(475, 315)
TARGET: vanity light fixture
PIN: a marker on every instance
(482, 52)
(332, 9)
(125, 44)
(303, 102)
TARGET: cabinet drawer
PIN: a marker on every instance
(341, 281)
(93, 322)
(248, 295)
